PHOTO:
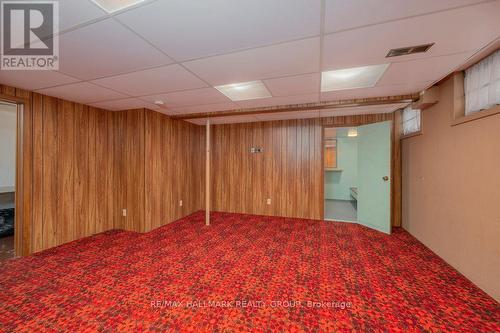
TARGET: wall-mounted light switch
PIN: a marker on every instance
(124, 212)
(180, 203)
(268, 201)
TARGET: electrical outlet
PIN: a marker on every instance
(180, 203)
(124, 212)
(268, 201)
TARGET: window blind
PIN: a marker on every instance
(482, 84)
(410, 120)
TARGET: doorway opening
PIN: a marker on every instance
(357, 170)
(8, 136)
(341, 173)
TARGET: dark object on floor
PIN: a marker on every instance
(243, 273)
(7, 222)
(6, 248)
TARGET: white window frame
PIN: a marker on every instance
(411, 121)
(482, 84)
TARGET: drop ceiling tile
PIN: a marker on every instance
(206, 108)
(75, 12)
(377, 91)
(106, 48)
(288, 115)
(194, 29)
(294, 85)
(342, 15)
(275, 101)
(430, 69)
(124, 104)
(82, 92)
(465, 29)
(153, 81)
(117, 6)
(189, 97)
(350, 111)
(293, 58)
(32, 80)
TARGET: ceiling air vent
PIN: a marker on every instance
(409, 50)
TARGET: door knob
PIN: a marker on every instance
(385, 178)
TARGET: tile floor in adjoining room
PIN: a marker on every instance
(341, 210)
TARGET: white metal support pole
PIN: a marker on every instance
(207, 176)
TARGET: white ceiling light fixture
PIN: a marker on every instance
(244, 91)
(352, 78)
(352, 133)
(112, 6)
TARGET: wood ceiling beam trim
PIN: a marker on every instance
(373, 101)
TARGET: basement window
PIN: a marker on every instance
(482, 84)
(411, 122)
(476, 90)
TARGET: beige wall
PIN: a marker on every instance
(451, 191)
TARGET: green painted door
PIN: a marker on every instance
(374, 171)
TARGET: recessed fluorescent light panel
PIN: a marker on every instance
(244, 91)
(112, 6)
(352, 78)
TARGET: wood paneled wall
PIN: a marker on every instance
(67, 171)
(396, 183)
(174, 169)
(74, 154)
(160, 165)
(289, 171)
(79, 166)
(356, 120)
(130, 168)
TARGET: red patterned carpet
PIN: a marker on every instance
(244, 273)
